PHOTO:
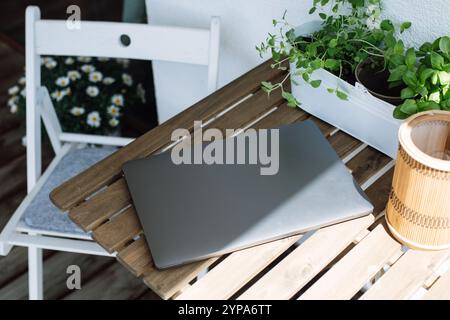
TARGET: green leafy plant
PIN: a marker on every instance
(344, 41)
(89, 94)
(426, 74)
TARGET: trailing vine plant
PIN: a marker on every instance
(351, 32)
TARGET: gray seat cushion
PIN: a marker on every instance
(41, 213)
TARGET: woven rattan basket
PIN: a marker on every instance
(418, 211)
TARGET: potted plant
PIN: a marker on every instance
(349, 69)
(426, 75)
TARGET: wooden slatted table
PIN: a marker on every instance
(354, 259)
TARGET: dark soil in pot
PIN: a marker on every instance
(375, 79)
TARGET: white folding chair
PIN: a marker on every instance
(99, 39)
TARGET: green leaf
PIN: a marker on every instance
(305, 77)
(333, 43)
(407, 93)
(315, 83)
(425, 74)
(332, 64)
(267, 85)
(410, 79)
(426, 47)
(341, 95)
(409, 107)
(444, 77)
(405, 25)
(397, 73)
(316, 64)
(399, 47)
(324, 2)
(444, 45)
(410, 58)
(434, 78)
(437, 61)
(312, 10)
(446, 105)
(389, 40)
(398, 114)
(397, 59)
(330, 90)
(292, 102)
(387, 25)
(322, 15)
(428, 105)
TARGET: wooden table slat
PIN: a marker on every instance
(407, 275)
(356, 268)
(284, 115)
(290, 275)
(136, 257)
(168, 282)
(114, 234)
(75, 190)
(285, 279)
(90, 214)
(441, 289)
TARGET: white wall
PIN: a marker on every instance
(430, 18)
(244, 24)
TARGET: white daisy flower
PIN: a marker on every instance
(73, 75)
(22, 81)
(140, 91)
(13, 108)
(108, 80)
(113, 111)
(127, 79)
(123, 62)
(66, 91)
(113, 122)
(13, 100)
(69, 61)
(77, 111)
(62, 81)
(45, 60)
(117, 99)
(58, 95)
(13, 90)
(93, 119)
(23, 92)
(102, 59)
(51, 64)
(88, 68)
(92, 91)
(95, 76)
(84, 59)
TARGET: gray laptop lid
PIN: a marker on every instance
(191, 212)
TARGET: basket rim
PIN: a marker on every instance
(410, 147)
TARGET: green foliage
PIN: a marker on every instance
(344, 41)
(425, 72)
(351, 34)
(89, 94)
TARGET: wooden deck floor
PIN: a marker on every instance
(102, 278)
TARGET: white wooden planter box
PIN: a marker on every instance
(363, 116)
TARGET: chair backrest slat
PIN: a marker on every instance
(103, 39)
